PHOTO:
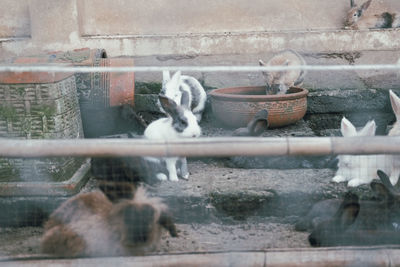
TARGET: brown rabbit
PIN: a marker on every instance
(278, 82)
(362, 223)
(367, 17)
(89, 224)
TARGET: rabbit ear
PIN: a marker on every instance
(387, 184)
(185, 99)
(176, 78)
(364, 7)
(347, 128)
(266, 74)
(348, 210)
(168, 105)
(395, 102)
(368, 130)
(179, 120)
(349, 214)
(381, 190)
(384, 178)
(352, 3)
(166, 76)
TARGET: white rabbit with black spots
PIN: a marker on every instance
(180, 123)
(174, 87)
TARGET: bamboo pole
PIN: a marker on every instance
(201, 147)
(338, 256)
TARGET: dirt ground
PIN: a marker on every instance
(223, 233)
(192, 238)
(206, 205)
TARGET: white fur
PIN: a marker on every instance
(358, 170)
(162, 129)
(395, 131)
(171, 88)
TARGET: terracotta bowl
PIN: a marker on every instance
(236, 106)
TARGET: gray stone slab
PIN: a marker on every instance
(215, 191)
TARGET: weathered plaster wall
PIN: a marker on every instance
(142, 28)
(210, 32)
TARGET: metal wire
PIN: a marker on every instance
(70, 69)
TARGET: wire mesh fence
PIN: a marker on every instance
(280, 190)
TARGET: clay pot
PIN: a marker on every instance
(98, 90)
(236, 106)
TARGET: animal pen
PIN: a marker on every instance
(261, 141)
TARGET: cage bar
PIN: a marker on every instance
(201, 147)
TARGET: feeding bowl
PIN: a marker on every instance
(236, 106)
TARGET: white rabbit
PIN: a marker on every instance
(181, 123)
(278, 82)
(362, 169)
(173, 88)
(395, 131)
(367, 17)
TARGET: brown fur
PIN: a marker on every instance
(62, 241)
(370, 15)
(90, 224)
(278, 82)
(116, 191)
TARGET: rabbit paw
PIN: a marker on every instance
(339, 178)
(355, 182)
(185, 176)
(161, 177)
(174, 178)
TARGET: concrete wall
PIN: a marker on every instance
(142, 28)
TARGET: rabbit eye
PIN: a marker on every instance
(183, 122)
(180, 124)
